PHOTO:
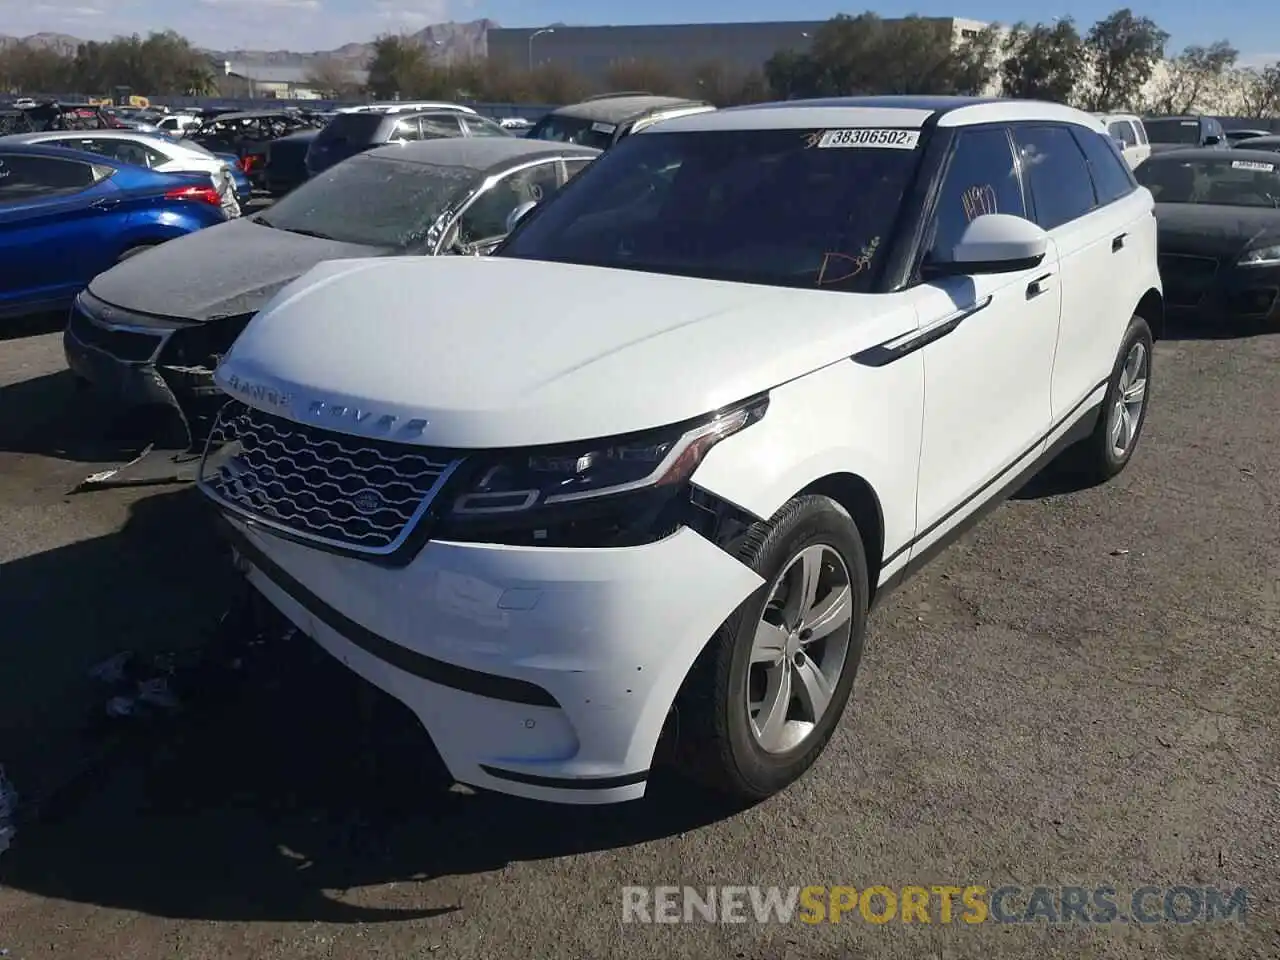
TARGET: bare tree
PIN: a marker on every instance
(331, 78)
(1193, 76)
(1259, 91)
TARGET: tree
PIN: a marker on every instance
(1042, 62)
(331, 78)
(1122, 51)
(555, 83)
(1192, 75)
(398, 68)
(1259, 92)
(25, 69)
(647, 75)
(868, 55)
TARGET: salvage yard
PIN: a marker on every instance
(1082, 691)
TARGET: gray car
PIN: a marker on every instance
(151, 329)
(604, 120)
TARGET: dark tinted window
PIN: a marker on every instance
(1142, 132)
(480, 127)
(573, 130)
(1112, 178)
(487, 217)
(28, 177)
(1231, 181)
(1173, 131)
(126, 151)
(405, 130)
(573, 167)
(981, 178)
(373, 200)
(1122, 130)
(1056, 173)
(435, 127)
(352, 128)
(757, 206)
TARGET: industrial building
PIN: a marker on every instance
(590, 51)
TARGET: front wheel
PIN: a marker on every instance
(765, 696)
(1109, 448)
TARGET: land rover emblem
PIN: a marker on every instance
(367, 502)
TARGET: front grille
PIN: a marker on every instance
(1186, 278)
(332, 488)
(127, 345)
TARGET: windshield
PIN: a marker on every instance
(1227, 182)
(352, 128)
(772, 206)
(559, 129)
(373, 201)
(1173, 131)
(194, 148)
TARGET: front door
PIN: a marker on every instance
(987, 381)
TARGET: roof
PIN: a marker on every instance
(17, 144)
(897, 111)
(480, 153)
(251, 114)
(1265, 138)
(618, 109)
(109, 134)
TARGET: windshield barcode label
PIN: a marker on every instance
(869, 137)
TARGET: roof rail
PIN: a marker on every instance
(620, 93)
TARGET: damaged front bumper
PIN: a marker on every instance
(138, 359)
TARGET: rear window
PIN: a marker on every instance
(373, 201)
(1173, 131)
(1229, 182)
(352, 128)
(560, 129)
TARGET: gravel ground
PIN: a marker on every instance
(1081, 692)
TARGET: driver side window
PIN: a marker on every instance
(981, 178)
(487, 217)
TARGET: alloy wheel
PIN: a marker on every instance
(799, 649)
(1131, 397)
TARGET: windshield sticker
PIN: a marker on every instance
(1252, 165)
(979, 200)
(599, 127)
(864, 137)
(853, 265)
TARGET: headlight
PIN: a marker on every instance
(617, 491)
(1262, 257)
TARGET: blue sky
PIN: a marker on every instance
(318, 24)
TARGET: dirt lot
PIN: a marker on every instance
(1081, 692)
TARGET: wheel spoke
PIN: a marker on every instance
(1117, 426)
(811, 576)
(834, 611)
(814, 690)
(770, 643)
(1136, 391)
(1126, 422)
(770, 723)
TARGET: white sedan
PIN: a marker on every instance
(147, 150)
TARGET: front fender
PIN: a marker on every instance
(843, 419)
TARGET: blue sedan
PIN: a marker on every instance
(66, 216)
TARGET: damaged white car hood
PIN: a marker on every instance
(475, 352)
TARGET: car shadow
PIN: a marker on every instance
(32, 325)
(283, 777)
(55, 416)
(1181, 330)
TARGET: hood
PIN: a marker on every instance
(225, 270)
(1214, 231)
(580, 352)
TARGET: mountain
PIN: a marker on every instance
(449, 42)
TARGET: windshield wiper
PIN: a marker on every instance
(308, 233)
(261, 220)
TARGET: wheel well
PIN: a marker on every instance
(855, 495)
(1151, 309)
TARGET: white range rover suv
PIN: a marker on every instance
(646, 469)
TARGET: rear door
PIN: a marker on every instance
(56, 225)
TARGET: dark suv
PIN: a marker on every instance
(604, 120)
(350, 133)
(1178, 133)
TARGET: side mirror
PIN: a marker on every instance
(519, 213)
(1120, 144)
(1212, 140)
(996, 243)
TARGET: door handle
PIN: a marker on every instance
(1038, 286)
(106, 203)
(1118, 243)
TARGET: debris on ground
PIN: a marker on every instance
(8, 811)
(1120, 553)
(149, 468)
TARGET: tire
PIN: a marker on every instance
(133, 252)
(718, 743)
(1098, 458)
